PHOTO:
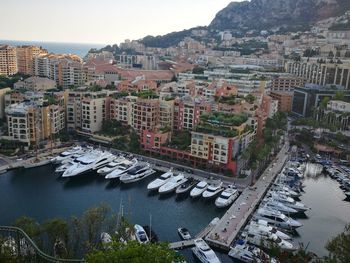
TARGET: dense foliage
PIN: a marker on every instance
(118, 252)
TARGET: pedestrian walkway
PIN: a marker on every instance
(226, 231)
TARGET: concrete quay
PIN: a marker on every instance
(236, 217)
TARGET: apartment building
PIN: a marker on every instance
(121, 109)
(321, 73)
(25, 58)
(86, 110)
(31, 122)
(8, 60)
(66, 70)
(286, 84)
(145, 115)
(285, 100)
(35, 84)
(187, 112)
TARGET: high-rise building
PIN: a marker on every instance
(25, 58)
(8, 60)
(66, 70)
(321, 73)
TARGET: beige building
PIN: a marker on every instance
(87, 110)
(30, 122)
(145, 115)
(25, 58)
(8, 60)
(35, 84)
(65, 70)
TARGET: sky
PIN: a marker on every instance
(101, 21)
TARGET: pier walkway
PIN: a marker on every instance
(189, 243)
(236, 217)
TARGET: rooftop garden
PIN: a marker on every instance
(221, 123)
(223, 119)
(146, 94)
(230, 100)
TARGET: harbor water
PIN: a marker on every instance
(41, 194)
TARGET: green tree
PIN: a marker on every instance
(92, 222)
(339, 247)
(339, 95)
(57, 230)
(198, 70)
(250, 98)
(28, 225)
(134, 252)
(324, 102)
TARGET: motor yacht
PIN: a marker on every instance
(111, 166)
(199, 189)
(163, 179)
(227, 197)
(288, 190)
(247, 253)
(262, 227)
(213, 190)
(186, 186)
(270, 203)
(172, 184)
(137, 173)
(122, 168)
(267, 240)
(63, 167)
(66, 154)
(290, 202)
(184, 233)
(203, 252)
(88, 162)
(140, 234)
(276, 218)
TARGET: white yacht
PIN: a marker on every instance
(122, 168)
(276, 218)
(203, 252)
(288, 190)
(88, 162)
(111, 166)
(290, 202)
(262, 227)
(137, 173)
(63, 167)
(199, 189)
(213, 190)
(246, 253)
(267, 240)
(66, 154)
(172, 184)
(227, 197)
(184, 233)
(163, 179)
(275, 205)
(140, 234)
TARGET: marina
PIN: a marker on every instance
(221, 233)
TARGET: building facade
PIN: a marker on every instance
(8, 60)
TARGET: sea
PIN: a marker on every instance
(80, 49)
(42, 194)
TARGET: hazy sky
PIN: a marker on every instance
(101, 21)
